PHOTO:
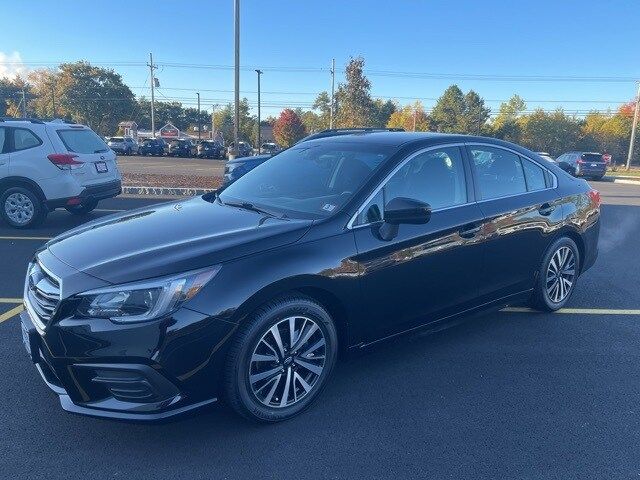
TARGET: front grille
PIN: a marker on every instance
(42, 294)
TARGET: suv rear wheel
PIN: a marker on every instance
(21, 207)
(281, 359)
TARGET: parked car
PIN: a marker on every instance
(49, 165)
(546, 156)
(123, 145)
(210, 149)
(244, 149)
(181, 148)
(583, 164)
(153, 146)
(249, 293)
(269, 148)
(236, 168)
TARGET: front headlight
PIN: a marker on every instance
(146, 300)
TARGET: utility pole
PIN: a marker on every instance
(199, 126)
(24, 105)
(236, 122)
(333, 84)
(633, 129)
(259, 72)
(153, 84)
(213, 121)
(53, 97)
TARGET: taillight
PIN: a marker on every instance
(65, 161)
(581, 161)
(594, 195)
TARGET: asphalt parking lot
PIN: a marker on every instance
(513, 394)
(171, 165)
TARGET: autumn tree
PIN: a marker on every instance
(288, 128)
(506, 124)
(411, 116)
(356, 107)
(553, 132)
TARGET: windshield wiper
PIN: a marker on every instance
(250, 206)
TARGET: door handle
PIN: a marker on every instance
(470, 231)
(546, 209)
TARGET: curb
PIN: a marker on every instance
(183, 192)
(625, 181)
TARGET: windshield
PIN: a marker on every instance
(312, 180)
(82, 141)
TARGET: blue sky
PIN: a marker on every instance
(294, 41)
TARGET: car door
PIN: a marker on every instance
(522, 212)
(426, 271)
(4, 153)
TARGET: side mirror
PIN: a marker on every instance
(401, 210)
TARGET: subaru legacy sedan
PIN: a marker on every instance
(249, 293)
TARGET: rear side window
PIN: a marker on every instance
(24, 139)
(82, 141)
(534, 175)
(499, 172)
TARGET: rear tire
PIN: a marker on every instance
(272, 374)
(83, 208)
(21, 207)
(557, 276)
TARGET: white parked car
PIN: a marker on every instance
(49, 165)
(123, 145)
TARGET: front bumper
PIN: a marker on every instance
(90, 193)
(142, 373)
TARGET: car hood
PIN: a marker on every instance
(170, 238)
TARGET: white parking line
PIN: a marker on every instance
(11, 313)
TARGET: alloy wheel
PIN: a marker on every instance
(561, 274)
(19, 208)
(287, 362)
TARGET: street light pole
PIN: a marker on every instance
(259, 72)
(213, 121)
(633, 129)
(333, 84)
(199, 125)
(236, 122)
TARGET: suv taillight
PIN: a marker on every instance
(65, 161)
(594, 195)
(580, 161)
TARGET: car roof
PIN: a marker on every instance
(398, 139)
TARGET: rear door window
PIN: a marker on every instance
(499, 172)
(24, 139)
(3, 141)
(82, 141)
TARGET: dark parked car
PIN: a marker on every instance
(583, 164)
(152, 146)
(210, 149)
(244, 149)
(333, 244)
(269, 148)
(234, 169)
(181, 148)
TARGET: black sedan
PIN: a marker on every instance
(332, 245)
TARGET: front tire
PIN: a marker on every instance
(21, 208)
(280, 360)
(557, 276)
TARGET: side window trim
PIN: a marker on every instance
(552, 176)
(381, 185)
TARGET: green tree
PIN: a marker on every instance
(475, 114)
(93, 95)
(505, 125)
(449, 110)
(322, 104)
(383, 109)
(553, 132)
(356, 108)
(288, 128)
